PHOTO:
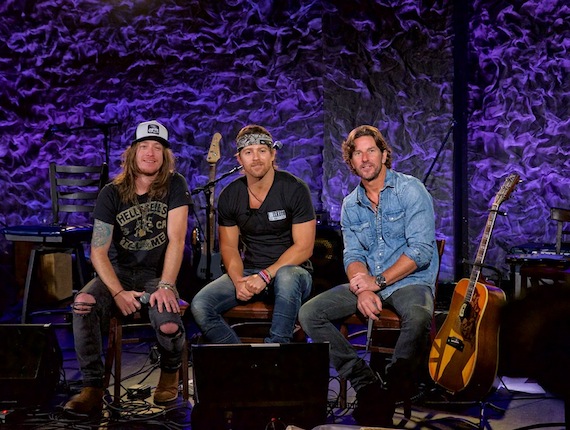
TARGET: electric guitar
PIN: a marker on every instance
(215, 257)
(464, 354)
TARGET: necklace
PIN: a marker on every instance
(374, 204)
(254, 196)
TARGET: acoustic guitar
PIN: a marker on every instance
(464, 355)
(211, 243)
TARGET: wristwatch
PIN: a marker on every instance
(381, 281)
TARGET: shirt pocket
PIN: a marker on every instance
(394, 224)
(364, 234)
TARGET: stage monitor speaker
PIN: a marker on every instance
(30, 364)
(259, 386)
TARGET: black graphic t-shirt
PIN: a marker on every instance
(266, 233)
(139, 234)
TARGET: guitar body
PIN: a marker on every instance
(464, 354)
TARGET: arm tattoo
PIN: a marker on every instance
(101, 233)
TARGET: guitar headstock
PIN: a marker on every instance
(505, 192)
(214, 151)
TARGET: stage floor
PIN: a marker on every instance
(516, 404)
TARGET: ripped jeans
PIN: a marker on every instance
(88, 328)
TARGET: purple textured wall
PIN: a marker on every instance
(307, 70)
(519, 118)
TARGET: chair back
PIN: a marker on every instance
(561, 216)
(75, 188)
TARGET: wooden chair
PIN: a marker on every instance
(114, 351)
(555, 269)
(385, 332)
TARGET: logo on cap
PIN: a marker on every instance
(153, 129)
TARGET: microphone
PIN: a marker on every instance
(235, 169)
(277, 144)
(369, 333)
(144, 299)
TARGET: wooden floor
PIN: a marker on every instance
(517, 404)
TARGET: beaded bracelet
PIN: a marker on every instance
(167, 285)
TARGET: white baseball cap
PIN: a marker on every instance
(152, 130)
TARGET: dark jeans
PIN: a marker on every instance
(88, 328)
(413, 303)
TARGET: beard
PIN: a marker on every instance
(369, 174)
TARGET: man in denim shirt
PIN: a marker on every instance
(390, 257)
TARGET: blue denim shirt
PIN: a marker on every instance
(404, 223)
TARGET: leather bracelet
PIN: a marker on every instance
(116, 294)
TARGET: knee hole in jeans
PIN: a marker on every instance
(83, 304)
(169, 329)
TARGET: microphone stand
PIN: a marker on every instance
(207, 190)
(453, 123)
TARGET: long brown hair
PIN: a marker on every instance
(126, 183)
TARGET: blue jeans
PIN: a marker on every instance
(413, 303)
(290, 287)
(88, 328)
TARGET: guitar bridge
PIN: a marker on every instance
(455, 343)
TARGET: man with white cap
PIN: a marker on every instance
(270, 212)
(140, 222)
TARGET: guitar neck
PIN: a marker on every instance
(481, 252)
(212, 158)
(212, 213)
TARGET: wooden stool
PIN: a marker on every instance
(114, 352)
(251, 322)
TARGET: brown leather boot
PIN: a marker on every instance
(88, 402)
(167, 388)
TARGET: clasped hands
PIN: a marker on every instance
(248, 286)
(364, 287)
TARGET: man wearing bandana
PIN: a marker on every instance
(267, 230)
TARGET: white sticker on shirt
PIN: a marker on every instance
(276, 215)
